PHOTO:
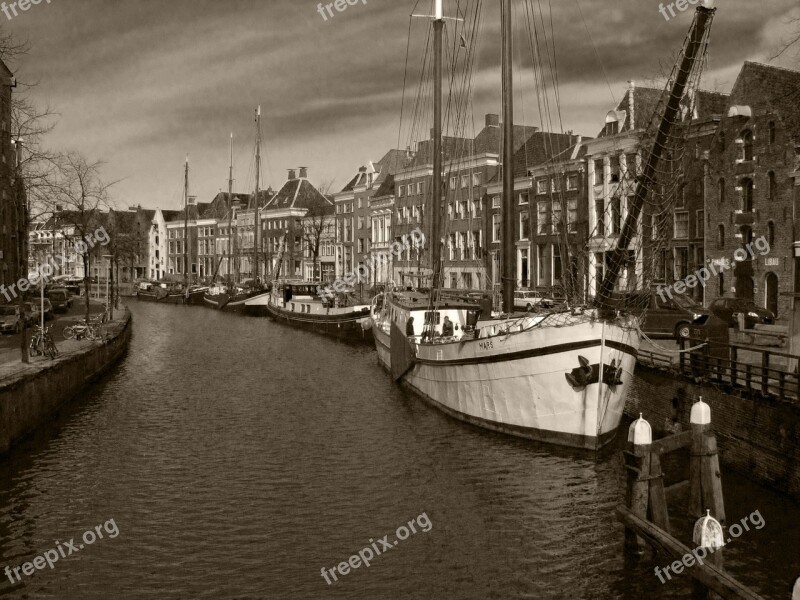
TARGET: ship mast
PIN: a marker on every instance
(230, 209)
(647, 180)
(436, 199)
(186, 224)
(256, 236)
(507, 166)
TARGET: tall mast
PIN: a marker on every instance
(436, 200)
(230, 210)
(647, 180)
(256, 236)
(509, 258)
(186, 224)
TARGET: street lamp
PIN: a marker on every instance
(109, 308)
(22, 234)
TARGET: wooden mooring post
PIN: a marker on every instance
(646, 513)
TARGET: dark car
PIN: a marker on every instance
(664, 314)
(36, 310)
(10, 321)
(730, 308)
(60, 298)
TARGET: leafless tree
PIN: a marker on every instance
(794, 38)
(316, 224)
(80, 190)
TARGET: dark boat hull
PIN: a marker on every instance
(346, 327)
(226, 302)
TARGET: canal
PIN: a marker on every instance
(230, 457)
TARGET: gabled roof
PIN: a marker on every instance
(297, 193)
(218, 207)
(646, 102)
(770, 88)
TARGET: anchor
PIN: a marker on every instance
(580, 375)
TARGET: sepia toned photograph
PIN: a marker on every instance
(420, 299)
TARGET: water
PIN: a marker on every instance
(237, 458)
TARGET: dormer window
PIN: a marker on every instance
(612, 124)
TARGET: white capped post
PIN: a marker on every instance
(438, 13)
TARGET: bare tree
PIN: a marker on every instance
(80, 190)
(316, 224)
(794, 38)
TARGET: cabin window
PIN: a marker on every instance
(432, 317)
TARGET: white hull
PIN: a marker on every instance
(517, 383)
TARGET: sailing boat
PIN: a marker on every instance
(561, 377)
(232, 298)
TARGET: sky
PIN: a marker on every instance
(141, 84)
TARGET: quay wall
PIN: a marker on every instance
(34, 395)
(758, 437)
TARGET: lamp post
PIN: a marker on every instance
(109, 307)
(22, 234)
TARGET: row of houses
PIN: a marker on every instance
(735, 179)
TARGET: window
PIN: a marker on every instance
(453, 181)
(614, 163)
(599, 172)
(496, 202)
(557, 224)
(699, 229)
(721, 192)
(721, 237)
(476, 179)
(464, 208)
(771, 131)
(543, 218)
(451, 211)
(681, 225)
(541, 186)
(464, 181)
(747, 145)
(451, 246)
(630, 163)
(771, 233)
(476, 206)
(600, 216)
(747, 195)
(572, 215)
(572, 183)
(419, 187)
(361, 222)
(616, 216)
(555, 185)
(360, 245)
(523, 198)
(681, 263)
(400, 191)
(541, 263)
(361, 201)
(495, 228)
(524, 225)
(556, 262)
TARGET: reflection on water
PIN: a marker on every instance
(239, 457)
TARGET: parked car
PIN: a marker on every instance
(730, 308)
(60, 298)
(525, 300)
(10, 321)
(35, 310)
(665, 315)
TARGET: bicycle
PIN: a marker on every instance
(93, 329)
(42, 343)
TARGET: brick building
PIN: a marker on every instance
(549, 213)
(752, 179)
(12, 193)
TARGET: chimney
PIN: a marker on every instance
(303, 172)
(631, 89)
(492, 120)
(292, 175)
